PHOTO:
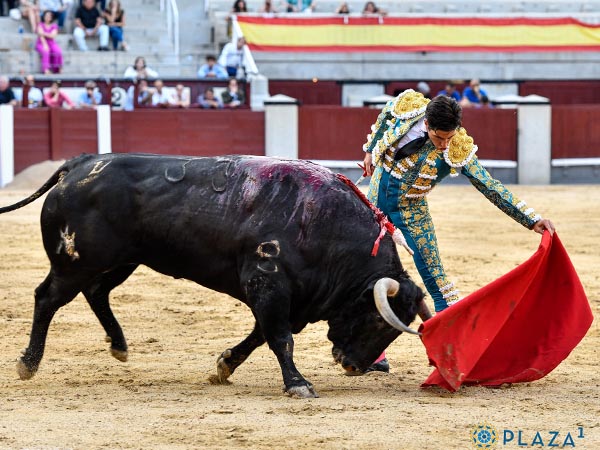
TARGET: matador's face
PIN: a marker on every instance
(440, 138)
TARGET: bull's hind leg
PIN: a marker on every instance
(270, 304)
(231, 358)
(97, 296)
(50, 296)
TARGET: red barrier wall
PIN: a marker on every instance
(190, 132)
(31, 137)
(330, 132)
(575, 131)
(309, 93)
(563, 92)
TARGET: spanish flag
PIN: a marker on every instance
(516, 329)
(435, 34)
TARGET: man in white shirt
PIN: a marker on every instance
(232, 56)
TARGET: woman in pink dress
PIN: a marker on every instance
(46, 45)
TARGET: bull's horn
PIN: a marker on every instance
(385, 287)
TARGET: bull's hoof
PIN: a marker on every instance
(223, 369)
(301, 391)
(121, 355)
(107, 339)
(25, 373)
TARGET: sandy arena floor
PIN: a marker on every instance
(82, 398)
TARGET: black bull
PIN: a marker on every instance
(287, 238)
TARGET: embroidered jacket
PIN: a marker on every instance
(418, 173)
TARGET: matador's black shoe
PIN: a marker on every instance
(381, 366)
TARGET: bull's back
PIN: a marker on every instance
(196, 218)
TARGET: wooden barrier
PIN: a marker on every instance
(575, 131)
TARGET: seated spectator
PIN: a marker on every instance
(305, 6)
(371, 8)
(91, 98)
(211, 69)
(115, 19)
(30, 10)
(139, 70)
(485, 102)
(472, 94)
(239, 6)
(59, 8)
(267, 8)
(180, 98)
(232, 56)
(233, 96)
(50, 52)
(144, 95)
(88, 22)
(160, 97)
(7, 96)
(35, 98)
(55, 98)
(450, 91)
(208, 100)
(343, 9)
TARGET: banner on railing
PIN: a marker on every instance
(375, 34)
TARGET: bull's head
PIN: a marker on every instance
(363, 330)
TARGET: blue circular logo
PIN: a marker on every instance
(484, 436)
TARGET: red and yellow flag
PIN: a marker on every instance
(375, 34)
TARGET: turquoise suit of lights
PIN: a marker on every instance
(399, 187)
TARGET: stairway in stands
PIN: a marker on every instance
(145, 32)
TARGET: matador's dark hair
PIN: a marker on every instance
(443, 113)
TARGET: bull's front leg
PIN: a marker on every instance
(231, 358)
(271, 308)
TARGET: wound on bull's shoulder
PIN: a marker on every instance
(67, 243)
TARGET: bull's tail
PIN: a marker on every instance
(52, 181)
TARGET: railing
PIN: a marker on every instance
(172, 22)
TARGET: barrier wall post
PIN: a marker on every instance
(104, 130)
(534, 143)
(281, 126)
(7, 145)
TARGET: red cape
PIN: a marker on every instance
(516, 329)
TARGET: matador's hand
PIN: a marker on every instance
(368, 163)
(544, 224)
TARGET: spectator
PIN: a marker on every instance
(371, 8)
(208, 100)
(159, 95)
(30, 10)
(450, 91)
(58, 7)
(267, 8)
(115, 19)
(472, 94)
(91, 98)
(180, 98)
(424, 89)
(140, 70)
(7, 96)
(305, 6)
(55, 98)
(50, 52)
(233, 96)
(232, 56)
(88, 22)
(239, 6)
(485, 102)
(144, 95)
(211, 69)
(35, 98)
(343, 9)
